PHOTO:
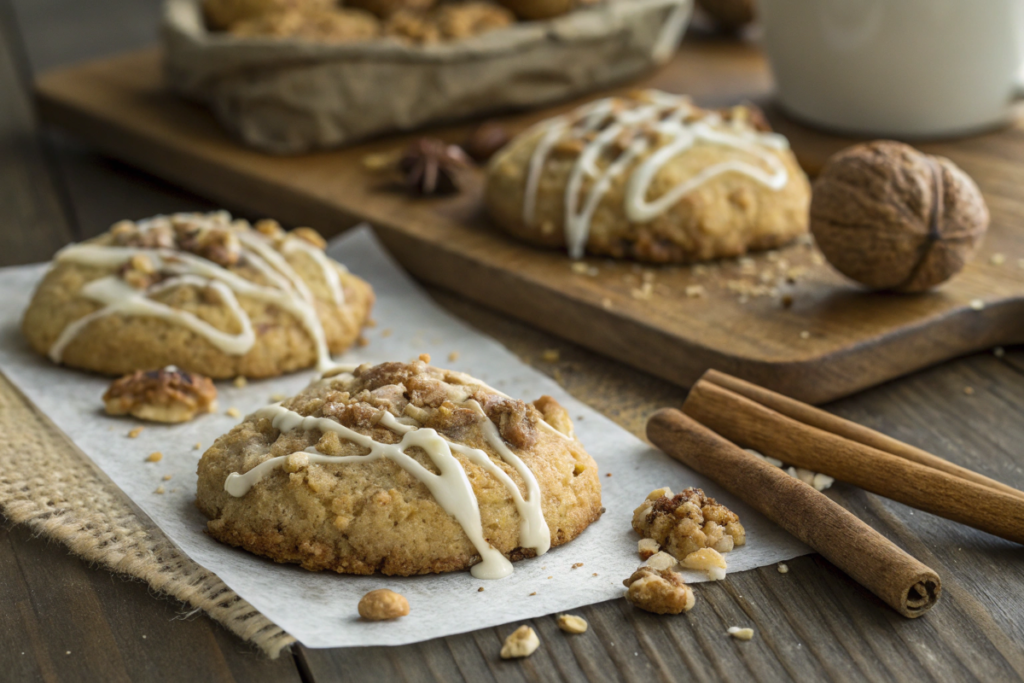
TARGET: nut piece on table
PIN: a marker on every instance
(893, 218)
(659, 591)
(570, 623)
(687, 522)
(168, 395)
(647, 547)
(707, 560)
(383, 604)
(522, 642)
(741, 633)
(661, 560)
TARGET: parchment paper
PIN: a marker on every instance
(320, 609)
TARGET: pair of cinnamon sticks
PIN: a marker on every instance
(723, 413)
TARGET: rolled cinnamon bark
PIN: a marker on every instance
(750, 424)
(870, 559)
(816, 417)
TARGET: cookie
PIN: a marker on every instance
(650, 177)
(201, 292)
(404, 469)
(324, 25)
(223, 14)
(449, 22)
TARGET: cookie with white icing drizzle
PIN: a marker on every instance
(401, 468)
(650, 177)
(202, 292)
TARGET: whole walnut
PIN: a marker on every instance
(893, 218)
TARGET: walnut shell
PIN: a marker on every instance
(893, 218)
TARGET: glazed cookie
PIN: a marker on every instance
(650, 177)
(403, 469)
(201, 292)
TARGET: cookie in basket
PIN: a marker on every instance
(223, 14)
(400, 468)
(202, 292)
(650, 177)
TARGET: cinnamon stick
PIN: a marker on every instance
(872, 560)
(816, 417)
(750, 424)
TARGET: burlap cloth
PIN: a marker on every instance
(50, 485)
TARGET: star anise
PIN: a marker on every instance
(432, 166)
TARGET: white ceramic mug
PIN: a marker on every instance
(896, 68)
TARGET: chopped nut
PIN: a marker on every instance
(661, 592)
(310, 236)
(522, 642)
(240, 381)
(383, 604)
(233, 412)
(741, 633)
(978, 304)
(167, 477)
(576, 565)
(155, 456)
(822, 482)
(159, 489)
(647, 547)
(197, 446)
(168, 395)
(571, 623)
(661, 560)
(480, 589)
(783, 568)
(687, 522)
(296, 461)
(268, 227)
(707, 560)
(135, 432)
(550, 355)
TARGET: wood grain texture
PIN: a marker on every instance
(835, 339)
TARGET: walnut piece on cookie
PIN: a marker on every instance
(661, 591)
(522, 642)
(383, 604)
(167, 395)
(687, 522)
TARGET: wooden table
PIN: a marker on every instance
(63, 620)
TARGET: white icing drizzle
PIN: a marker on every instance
(328, 267)
(451, 488)
(288, 291)
(666, 116)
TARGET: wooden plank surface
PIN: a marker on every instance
(812, 623)
(834, 340)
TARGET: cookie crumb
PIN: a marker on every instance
(783, 568)
(607, 474)
(480, 589)
(362, 341)
(550, 355)
(532, 594)
(168, 477)
(969, 391)
(695, 291)
(522, 642)
(606, 304)
(453, 356)
(786, 301)
(425, 357)
(197, 446)
(159, 489)
(383, 604)
(277, 398)
(233, 412)
(240, 381)
(805, 334)
(385, 333)
(570, 623)
(576, 565)
(133, 434)
(997, 259)
(155, 456)
(978, 304)
(741, 633)
(595, 573)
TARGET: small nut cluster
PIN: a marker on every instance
(522, 642)
(139, 272)
(687, 522)
(169, 395)
(383, 604)
(661, 591)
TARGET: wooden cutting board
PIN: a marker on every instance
(834, 339)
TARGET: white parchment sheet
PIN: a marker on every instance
(319, 609)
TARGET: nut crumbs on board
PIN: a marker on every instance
(783, 568)
(570, 623)
(135, 432)
(741, 633)
(155, 456)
